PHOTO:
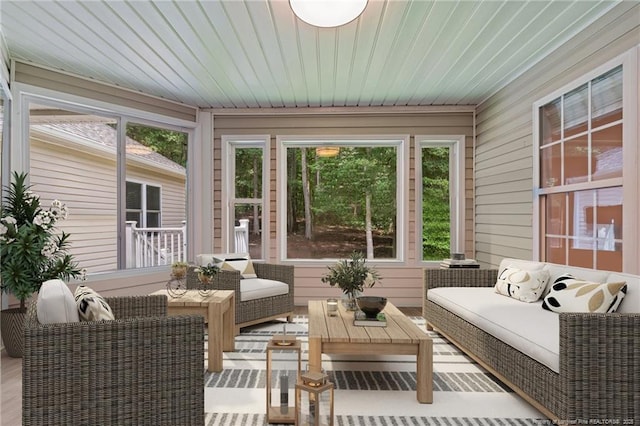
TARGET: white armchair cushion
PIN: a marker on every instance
(55, 303)
(257, 288)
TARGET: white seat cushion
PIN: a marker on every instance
(525, 326)
(257, 288)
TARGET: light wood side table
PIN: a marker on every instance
(219, 311)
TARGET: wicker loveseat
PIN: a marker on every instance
(598, 377)
(258, 310)
(143, 368)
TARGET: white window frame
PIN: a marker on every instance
(631, 157)
(144, 210)
(400, 142)
(20, 149)
(456, 145)
(229, 145)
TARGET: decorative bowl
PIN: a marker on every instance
(371, 305)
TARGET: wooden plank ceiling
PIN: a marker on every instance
(256, 53)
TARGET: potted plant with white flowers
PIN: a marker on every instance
(32, 251)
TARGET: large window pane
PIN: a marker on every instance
(73, 159)
(436, 215)
(248, 175)
(339, 204)
(588, 157)
(156, 163)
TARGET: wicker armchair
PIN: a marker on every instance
(255, 311)
(143, 368)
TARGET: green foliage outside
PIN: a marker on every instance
(435, 204)
(169, 143)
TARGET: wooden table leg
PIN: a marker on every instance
(215, 330)
(315, 354)
(229, 325)
(424, 371)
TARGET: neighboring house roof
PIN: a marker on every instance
(104, 135)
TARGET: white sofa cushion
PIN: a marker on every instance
(521, 284)
(525, 326)
(257, 288)
(56, 303)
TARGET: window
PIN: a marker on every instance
(109, 169)
(143, 205)
(246, 183)
(583, 196)
(440, 194)
(342, 195)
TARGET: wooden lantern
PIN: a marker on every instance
(280, 383)
(314, 400)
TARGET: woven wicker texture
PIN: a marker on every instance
(599, 358)
(252, 311)
(142, 369)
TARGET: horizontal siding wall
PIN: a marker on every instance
(504, 151)
(402, 284)
(42, 77)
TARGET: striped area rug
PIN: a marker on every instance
(376, 390)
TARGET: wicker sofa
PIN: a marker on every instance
(598, 377)
(143, 368)
(254, 311)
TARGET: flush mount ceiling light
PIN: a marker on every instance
(327, 151)
(327, 13)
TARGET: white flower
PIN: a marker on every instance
(10, 220)
(3, 229)
(49, 249)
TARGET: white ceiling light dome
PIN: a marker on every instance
(327, 13)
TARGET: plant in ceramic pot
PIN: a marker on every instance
(352, 275)
(32, 250)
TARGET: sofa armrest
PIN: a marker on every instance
(600, 366)
(114, 372)
(460, 277)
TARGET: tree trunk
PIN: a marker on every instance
(307, 196)
(292, 214)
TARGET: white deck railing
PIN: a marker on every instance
(242, 236)
(155, 246)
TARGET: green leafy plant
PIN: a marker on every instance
(32, 251)
(206, 273)
(351, 275)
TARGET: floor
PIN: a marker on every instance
(11, 379)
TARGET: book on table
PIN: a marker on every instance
(462, 263)
(360, 319)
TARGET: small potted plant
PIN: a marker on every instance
(206, 273)
(179, 270)
(352, 276)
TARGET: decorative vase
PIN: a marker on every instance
(350, 300)
(205, 284)
(11, 326)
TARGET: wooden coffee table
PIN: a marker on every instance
(338, 335)
(219, 312)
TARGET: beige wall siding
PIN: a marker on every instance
(87, 184)
(504, 151)
(401, 283)
(42, 77)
